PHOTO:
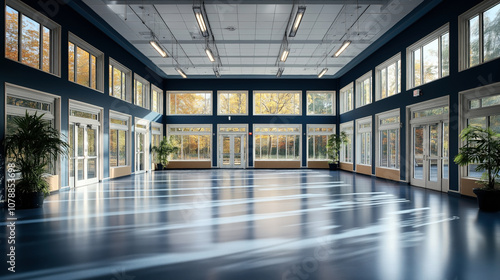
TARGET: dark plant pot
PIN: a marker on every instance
(488, 200)
(333, 166)
(159, 166)
(29, 200)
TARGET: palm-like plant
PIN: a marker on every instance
(482, 147)
(31, 147)
(166, 147)
(333, 146)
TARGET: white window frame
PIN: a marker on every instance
(209, 133)
(219, 92)
(126, 128)
(55, 34)
(378, 77)
(128, 82)
(379, 128)
(360, 122)
(99, 61)
(299, 92)
(332, 92)
(410, 79)
(360, 88)
(348, 128)
(277, 133)
(465, 113)
(463, 34)
(160, 99)
(318, 133)
(344, 108)
(146, 94)
(209, 113)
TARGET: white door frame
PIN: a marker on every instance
(137, 132)
(222, 131)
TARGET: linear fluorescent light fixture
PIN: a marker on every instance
(210, 54)
(322, 72)
(158, 48)
(179, 70)
(296, 22)
(201, 21)
(280, 72)
(217, 73)
(284, 54)
(342, 48)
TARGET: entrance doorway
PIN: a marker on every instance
(141, 145)
(232, 146)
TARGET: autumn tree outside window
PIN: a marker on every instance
(277, 102)
(120, 79)
(189, 102)
(232, 102)
(320, 103)
(85, 64)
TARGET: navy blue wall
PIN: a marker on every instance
(446, 12)
(251, 85)
(70, 21)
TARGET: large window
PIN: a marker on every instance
(85, 63)
(346, 99)
(320, 103)
(364, 140)
(232, 102)
(346, 148)
(31, 38)
(119, 139)
(189, 103)
(141, 92)
(156, 100)
(388, 78)
(119, 81)
(429, 58)
(277, 142)
(479, 33)
(194, 141)
(388, 126)
(317, 138)
(277, 102)
(481, 108)
(364, 90)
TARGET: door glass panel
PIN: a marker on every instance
(433, 140)
(433, 170)
(91, 168)
(72, 140)
(80, 142)
(91, 138)
(226, 150)
(80, 169)
(237, 150)
(418, 152)
(446, 150)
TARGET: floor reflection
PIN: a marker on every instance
(255, 224)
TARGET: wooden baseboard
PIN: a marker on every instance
(386, 173)
(346, 166)
(277, 164)
(115, 172)
(466, 186)
(206, 164)
(318, 164)
(364, 169)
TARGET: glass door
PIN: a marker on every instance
(429, 155)
(83, 163)
(232, 151)
(140, 154)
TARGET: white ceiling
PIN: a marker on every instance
(248, 37)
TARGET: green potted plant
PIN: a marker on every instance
(31, 146)
(333, 147)
(165, 148)
(482, 147)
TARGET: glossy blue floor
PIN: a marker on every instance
(255, 224)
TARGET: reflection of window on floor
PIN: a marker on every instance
(317, 138)
(388, 139)
(119, 133)
(274, 142)
(346, 148)
(194, 141)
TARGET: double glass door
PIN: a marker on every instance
(232, 150)
(430, 156)
(84, 161)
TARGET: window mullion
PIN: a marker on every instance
(40, 47)
(20, 36)
(481, 39)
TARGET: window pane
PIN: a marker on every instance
(282, 147)
(113, 147)
(238, 103)
(491, 31)
(30, 42)
(391, 76)
(11, 33)
(224, 103)
(474, 41)
(93, 67)
(445, 55)
(490, 101)
(190, 104)
(122, 147)
(117, 83)
(154, 106)
(71, 62)
(319, 103)
(82, 67)
(204, 146)
(277, 103)
(384, 143)
(399, 76)
(138, 93)
(383, 83)
(479, 122)
(495, 123)
(46, 49)
(417, 67)
(431, 61)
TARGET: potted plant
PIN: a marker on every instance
(482, 147)
(30, 147)
(166, 147)
(333, 147)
